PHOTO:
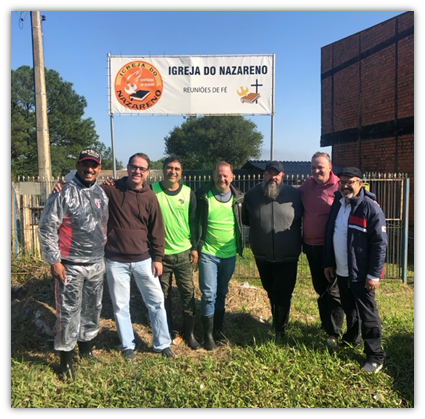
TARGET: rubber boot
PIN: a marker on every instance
(85, 351)
(281, 317)
(168, 310)
(271, 318)
(189, 337)
(218, 327)
(208, 324)
(66, 370)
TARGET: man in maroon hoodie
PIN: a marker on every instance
(135, 247)
(318, 196)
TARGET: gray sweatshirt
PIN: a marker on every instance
(275, 226)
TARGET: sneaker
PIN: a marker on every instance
(372, 367)
(168, 353)
(129, 354)
(332, 342)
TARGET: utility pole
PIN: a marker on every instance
(43, 143)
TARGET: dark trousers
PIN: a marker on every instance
(179, 265)
(360, 306)
(278, 280)
(329, 301)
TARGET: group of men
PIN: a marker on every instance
(153, 232)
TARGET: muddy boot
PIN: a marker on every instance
(218, 327)
(66, 370)
(207, 323)
(168, 310)
(189, 337)
(281, 317)
(85, 351)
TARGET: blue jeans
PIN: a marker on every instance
(118, 276)
(214, 278)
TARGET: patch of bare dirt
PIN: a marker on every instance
(33, 317)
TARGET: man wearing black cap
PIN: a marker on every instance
(274, 211)
(72, 232)
(355, 249)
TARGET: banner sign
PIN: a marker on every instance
(192, 84)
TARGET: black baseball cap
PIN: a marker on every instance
(274, 164)
(350, 171)
(90, 154)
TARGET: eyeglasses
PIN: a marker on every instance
(134, 168)
(347, 182)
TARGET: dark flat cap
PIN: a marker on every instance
(350, 171)
(274, 164)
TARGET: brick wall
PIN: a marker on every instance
(368, 99)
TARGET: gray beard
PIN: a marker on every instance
(272, 191)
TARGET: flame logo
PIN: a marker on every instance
(243, 91)
(131, 88)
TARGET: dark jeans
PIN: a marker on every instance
(278, 280)
(329, 301)
(360, 306)
(179, 265)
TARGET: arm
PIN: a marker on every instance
(245, 215)
(329, 255)
(330, 273)
(48, 228)
(157, 269)
(58, 187)
(377, 245)
(156, 231)
(201, 209)
(193, 225)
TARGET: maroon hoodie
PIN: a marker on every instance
(135, 227)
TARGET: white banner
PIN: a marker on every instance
(192, 84)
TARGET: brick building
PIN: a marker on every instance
(367, 82)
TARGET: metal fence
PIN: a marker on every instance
(29, 197)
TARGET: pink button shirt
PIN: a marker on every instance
(317, 201)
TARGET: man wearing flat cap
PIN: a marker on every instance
(355, 249)
(274, 210)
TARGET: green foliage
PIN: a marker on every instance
(157, 165)
(202, 142)
(69, 132)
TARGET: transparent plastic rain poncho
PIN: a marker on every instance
(73, 224)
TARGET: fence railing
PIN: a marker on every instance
(30, 195)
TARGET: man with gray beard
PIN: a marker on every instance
(273, 211)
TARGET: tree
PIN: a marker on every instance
(157, 164)
(69, 133)
(202, 142)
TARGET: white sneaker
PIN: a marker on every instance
(372, 367)
(332, 342)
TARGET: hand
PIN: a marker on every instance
(58, 271)
(193, 257)
(330, 273)
(109, 182)
(157, 269)
(58, 187)
(371, 285)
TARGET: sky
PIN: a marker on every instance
(76, 45)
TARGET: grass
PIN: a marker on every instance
(252, 371)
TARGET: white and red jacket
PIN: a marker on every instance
(73, 224)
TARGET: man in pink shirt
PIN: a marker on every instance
(317, 197)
